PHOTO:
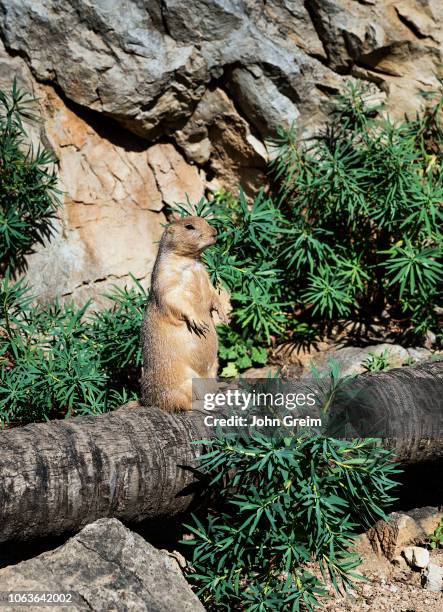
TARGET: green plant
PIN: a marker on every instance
(244, 262)
(28, 201)
(377, 363)
(364, 205)
(115, 333)
(286, 505)
(237, 353)
(58, 360)
(350, 230)
(436, 538)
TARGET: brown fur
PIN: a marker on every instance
(179, 339)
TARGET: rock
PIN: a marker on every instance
(416, 557)
(264, 372)
(163, 99)
(371, 561)
(399, 561)
(432, 578)
(389, 44)
(302, 355)
(175, 178)
(390, 538)
(431, 339)
(177, 556)
(105, 567)
(150, 65)
(218, 136)
(418, 354)
(262, 102)
(351, 359)
(110, 222)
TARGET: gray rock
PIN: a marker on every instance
(202, 19)
(418, 354)
(432, 579)
(105, 567)
(416, 557)
(149, 63)
(211, 78)
(261, 101)
(217, 135)
(399, 561)
(352, 360)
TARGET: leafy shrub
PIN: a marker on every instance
(352, 231)
(363, 203)
(238, 353)
(58, 360)
(55, 359)
(290, 511)
(115, 334)
(28, 182)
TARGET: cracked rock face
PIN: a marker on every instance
(105, 567)
(147, 100)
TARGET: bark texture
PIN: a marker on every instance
(404, 406)
(57, 477)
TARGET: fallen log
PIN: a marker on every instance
(59, 476)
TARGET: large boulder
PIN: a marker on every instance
(104, 567)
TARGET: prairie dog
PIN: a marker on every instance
(179, 339)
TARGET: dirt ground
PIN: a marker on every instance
(390, 588)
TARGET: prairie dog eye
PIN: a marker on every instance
(189, 226)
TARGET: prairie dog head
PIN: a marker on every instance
(188, 236)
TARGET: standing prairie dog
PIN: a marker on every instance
(179, 339)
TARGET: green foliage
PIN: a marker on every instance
(436, 538)
(56, 359)
(244, 260)
(238, 353)
(286, 503)
(363, 205)
(115, 332)
(351, 230)
(27, 183)
(60, 360)
(377, 363)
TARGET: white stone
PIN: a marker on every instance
(432, 579)
(416, 557)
